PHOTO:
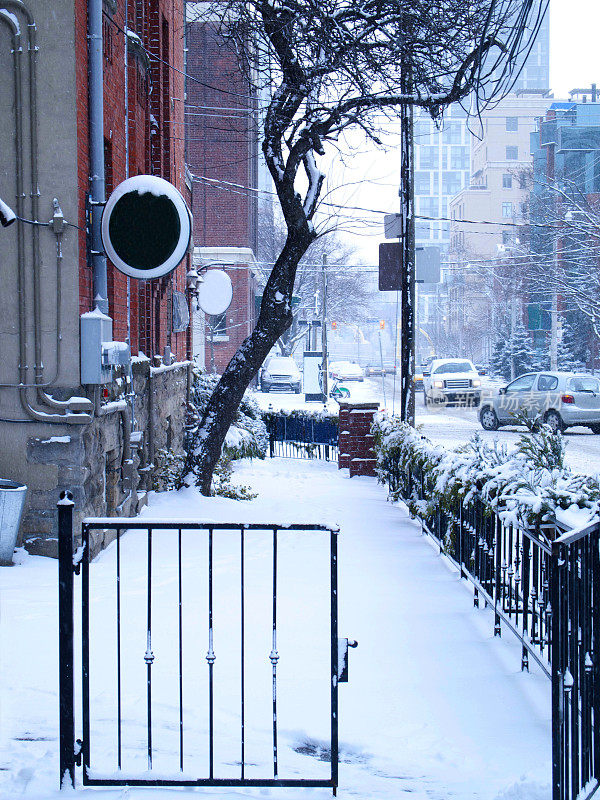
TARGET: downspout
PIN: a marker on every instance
(69, 406)
(97, 187)
(21, 299)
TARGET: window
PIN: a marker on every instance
(421, 132)
(507, 210)
(506, 237)
(584, 384)
(422, 183)
(512, 123)
(452, 133)
(512, 153)
(107, 42)
(522, 384)
(428, 157)
(428, 206)
(451, 183)
(507, 181)
(218, 325)
(546, 383)
(459, 158)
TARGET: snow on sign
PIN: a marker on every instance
(146, 227)
(215, 292)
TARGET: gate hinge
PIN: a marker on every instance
(343, 645)
(78, 751)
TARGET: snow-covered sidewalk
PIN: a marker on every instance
(435, 706)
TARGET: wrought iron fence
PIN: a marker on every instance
(543, 585)
(302, 436)
(120, 665)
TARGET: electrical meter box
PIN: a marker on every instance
(96, 331)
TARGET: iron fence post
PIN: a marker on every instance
(557, 755)
(65, 640)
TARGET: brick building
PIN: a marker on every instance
(98, 440)
(222, 155)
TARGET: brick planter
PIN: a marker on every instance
(355, 439)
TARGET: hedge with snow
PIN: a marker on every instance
(527, 485)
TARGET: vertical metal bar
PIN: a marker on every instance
(85, 647)
(595, 654)
(148, 656)
(242, 659)
(119, 696)
(334, 659)
(274, 655)
(497, 579)
(180, 611)
(65, 640)
(210, 657)
(555, 620)
(525, 593)
(573, 661)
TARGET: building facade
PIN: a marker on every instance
(100, 440)
(222, 153)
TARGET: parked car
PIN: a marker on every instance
(560, 399)
(388, 368)
(346, 371)
(281, 372)
(481, 369)
(451, 380)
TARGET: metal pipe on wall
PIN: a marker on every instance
(97, 185)
(12, 21)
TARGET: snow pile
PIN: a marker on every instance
(527, 486)
(432, 701)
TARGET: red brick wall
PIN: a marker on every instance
(240, 317)
(159, 24)
(221, 132)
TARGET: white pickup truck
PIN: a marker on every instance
(451, 380)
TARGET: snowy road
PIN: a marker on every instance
(452, 426)
(435, 709)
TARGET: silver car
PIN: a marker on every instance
(561, 399)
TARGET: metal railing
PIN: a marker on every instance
(302, 436)
(126, 675)
(543, 585)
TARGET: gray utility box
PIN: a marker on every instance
(99, 354)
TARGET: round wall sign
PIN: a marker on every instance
(146, 227)
(215, 292)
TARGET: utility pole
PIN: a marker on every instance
(407, 243)
(324, 328)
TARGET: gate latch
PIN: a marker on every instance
(78, 751)
(343, 645)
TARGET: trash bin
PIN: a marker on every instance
(12, 501)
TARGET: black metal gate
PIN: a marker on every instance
(119, 655)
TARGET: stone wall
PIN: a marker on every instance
(104, 465)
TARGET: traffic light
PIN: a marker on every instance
(334, 326)
(382, 324)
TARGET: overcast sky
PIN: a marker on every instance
(370, 177)
(574, 32)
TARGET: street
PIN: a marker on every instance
(448, 426)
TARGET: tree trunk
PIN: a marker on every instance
(274, 319)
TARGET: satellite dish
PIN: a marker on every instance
(146, 227)
(215, 292)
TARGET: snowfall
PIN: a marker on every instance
(435, 706)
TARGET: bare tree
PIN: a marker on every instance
(348, 298)
(332, 65)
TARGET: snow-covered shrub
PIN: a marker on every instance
(527, 485)
(167, 471)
